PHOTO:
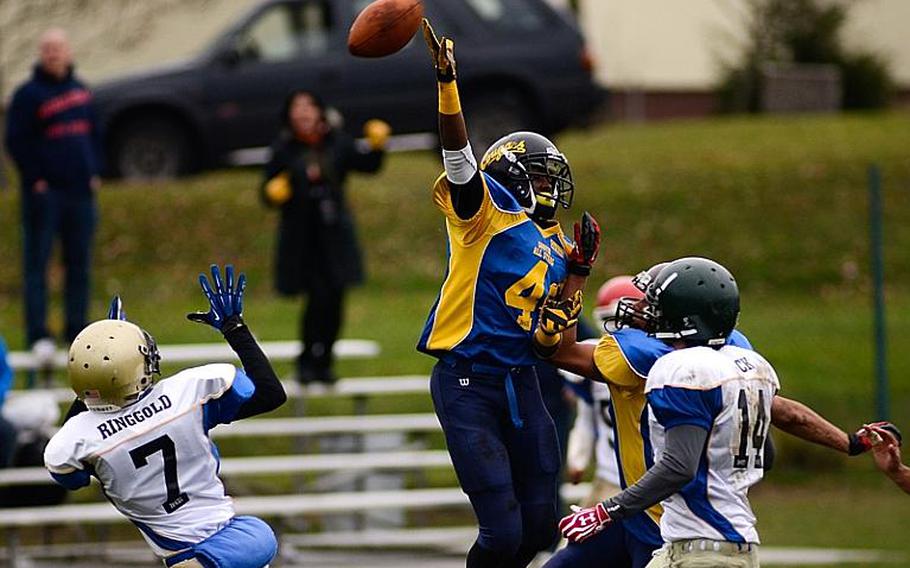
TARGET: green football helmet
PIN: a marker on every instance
(693, 299)
(111, 363)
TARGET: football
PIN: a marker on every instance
(384, 27)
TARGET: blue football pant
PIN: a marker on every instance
(245, 542)
(614, 546)
(508, 472)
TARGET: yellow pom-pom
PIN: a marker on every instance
(377, 133)
(278, 189)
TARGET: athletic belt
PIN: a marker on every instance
(707, 545)
(493, 371)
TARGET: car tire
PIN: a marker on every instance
(151, 148)
(491, 117)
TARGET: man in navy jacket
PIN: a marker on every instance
(52, 135)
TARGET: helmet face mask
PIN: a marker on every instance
(111, 364)
(534, 171)
(637, 312)
(695, 300)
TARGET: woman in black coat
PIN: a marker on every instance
(318, 253)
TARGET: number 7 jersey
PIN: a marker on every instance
(154, 458)
(728, 392)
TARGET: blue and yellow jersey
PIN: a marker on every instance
(500, 268)
(624, 359)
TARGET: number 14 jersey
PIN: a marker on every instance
(154, 458)
(728, 392)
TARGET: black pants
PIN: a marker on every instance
(320, 325)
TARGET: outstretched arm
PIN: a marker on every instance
(797, 419)
(225, 315)
(465, 185)
(676, 468)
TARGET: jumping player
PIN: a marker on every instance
(506, 250)
(623, 360)
(148, 442)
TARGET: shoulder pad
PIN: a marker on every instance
(640, 350)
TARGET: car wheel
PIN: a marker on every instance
(151, 148)
(489, 118)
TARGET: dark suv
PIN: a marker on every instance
(521, 65)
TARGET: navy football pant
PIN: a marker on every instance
(614, 546)
(505, 452)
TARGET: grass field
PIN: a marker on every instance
(781, 202)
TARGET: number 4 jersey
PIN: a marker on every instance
(728, 392)
(500, 267)
(154, 458)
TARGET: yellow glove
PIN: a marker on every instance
(377, 133)
(442, 51)
(556, 316)
(278, 189)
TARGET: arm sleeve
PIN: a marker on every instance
(268, 394)
(677, 467)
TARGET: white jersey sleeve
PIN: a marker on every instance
(155, 460)
(728, 392)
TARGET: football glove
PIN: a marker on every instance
(583, 523)
(442, 51)
(377, 133)
(115, 311)
(865, 438)
(587, 245)
(225, 300)
(278, 189)
(556, 316)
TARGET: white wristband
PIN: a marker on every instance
(461, 165)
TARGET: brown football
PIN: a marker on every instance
(384, 27)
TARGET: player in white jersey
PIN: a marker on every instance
(709, 407)
(148, 442)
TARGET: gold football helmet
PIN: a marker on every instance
(111, 363)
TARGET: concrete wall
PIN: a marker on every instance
(673, 45)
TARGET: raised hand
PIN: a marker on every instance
(583, 523)
(442, 51)
(868, 437)
(225, 300)
(587, 245)
(115, 311)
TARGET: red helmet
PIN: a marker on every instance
(609, 295)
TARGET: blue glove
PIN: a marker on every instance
(116, 312)
(225, 301)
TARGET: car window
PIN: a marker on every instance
(284, 31)
(509, 15)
